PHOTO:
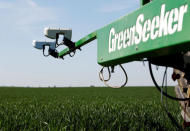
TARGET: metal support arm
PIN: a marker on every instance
(85, 40)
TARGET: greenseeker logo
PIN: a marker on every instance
(166, 24)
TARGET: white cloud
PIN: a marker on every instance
(32, 3)
(25, 17)
(22, 13)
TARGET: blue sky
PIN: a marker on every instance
(23, 21)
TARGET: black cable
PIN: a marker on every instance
(164, 85)
(101, 72)
(174, 122)
(166, 79)
(44, 52)
(57, 45)
(158, 87)
(163, 82)
(105, 82)
(172, 119)
(164, 106)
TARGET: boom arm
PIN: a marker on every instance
(85, 40)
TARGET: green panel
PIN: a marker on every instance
(81, 42)
(160, 27)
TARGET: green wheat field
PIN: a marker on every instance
(131, 108)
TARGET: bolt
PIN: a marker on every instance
(136, 48)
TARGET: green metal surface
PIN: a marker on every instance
(160, 27)
(81, 42)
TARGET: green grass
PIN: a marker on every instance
(135, 108)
